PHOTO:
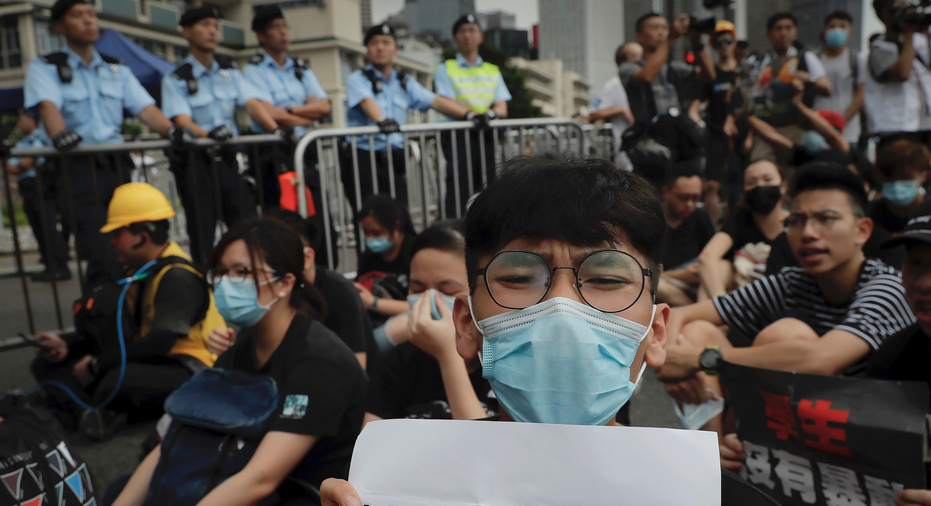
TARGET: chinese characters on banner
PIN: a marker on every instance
(827, 440)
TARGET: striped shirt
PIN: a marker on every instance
(877, 310)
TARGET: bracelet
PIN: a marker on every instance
(374, 304)
(723, 292)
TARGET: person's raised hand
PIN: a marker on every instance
(58, 348)
(680, 26)
(436, 337)
(732, 453)
(220, 340)
(913, 497)
(335, 492)
(367, 298)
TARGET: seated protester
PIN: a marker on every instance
(558, 220)
(170, 312)
(337, 300)
(426, 377)
(903, 165)
(824, 317)
(385, 267)
(822, 132)
(688, 231)
(256, 270)
(750, 235)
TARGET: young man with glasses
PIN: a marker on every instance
(568, 254)
(825, 317)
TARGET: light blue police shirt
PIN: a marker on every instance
(219, 91)
(444, 86)
(392, 100)
(93, 102)
(280, 87)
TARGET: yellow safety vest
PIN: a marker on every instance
(195, 344)
(475, 86)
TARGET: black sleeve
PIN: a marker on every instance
(346, 314)
(882, 363)
(730, 226)
(179, 302)
(390, 383)
(800, 156)
(705, 231)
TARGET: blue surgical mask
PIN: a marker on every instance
(561, 361)
(836, 38)
(814, 143)
(434, 311)
(238, 303)
(378, 244)
(900, 193)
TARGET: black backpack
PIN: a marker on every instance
(219, 417)
(37, 465)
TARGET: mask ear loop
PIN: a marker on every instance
(643, 366)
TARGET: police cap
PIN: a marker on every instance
(265, 15)
(468, 18)
(382, 29)
(196, 14)
(62, 7)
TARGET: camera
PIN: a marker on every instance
(707, 25)
(916, 12)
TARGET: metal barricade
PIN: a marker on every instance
(17, 315)
(441, 162)
(599, 141)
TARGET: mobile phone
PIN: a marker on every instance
(38, 343)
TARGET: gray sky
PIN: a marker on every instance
(526, 10)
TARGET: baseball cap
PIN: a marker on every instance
(725, 26)
(918, 228)
(834, 118)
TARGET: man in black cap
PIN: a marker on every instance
(478, 85)
(79, 96)
(292, 95)
(380, 95)
(201, 95)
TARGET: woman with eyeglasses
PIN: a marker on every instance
(256, 273)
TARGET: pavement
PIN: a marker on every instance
(650, 407)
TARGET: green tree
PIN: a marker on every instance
(521, 104)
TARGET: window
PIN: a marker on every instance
(47, 39)
(156, 48)
(181, 5)
(10, 54)
(295, 4)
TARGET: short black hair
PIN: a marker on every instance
(685, 168)
(779, 16)
(881, 5)
(831, 176)
(584, 202)
(838, 14)
(643, 19)
(443, 235)
(389, 213)
(157, 230)
(742, 44)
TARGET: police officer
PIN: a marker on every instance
(380, 95)
(478, 85)
(201, 95)
(80, 96)
(39, 207)
(292, 94)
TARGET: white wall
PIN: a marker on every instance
(604, 32)
(871, 25)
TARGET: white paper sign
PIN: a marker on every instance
(445, 462)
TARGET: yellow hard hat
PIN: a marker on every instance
(134, 203)
(725, 26)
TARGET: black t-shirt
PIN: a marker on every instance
(903, 357)
(723, 98)
(373, 266)
(883, 217)
(686, 241)
(321, 390)
(347, 318)
(408, 384)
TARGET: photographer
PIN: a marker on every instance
(654, 84)
(899, 88)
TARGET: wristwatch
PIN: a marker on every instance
(374, 304)
(289, 109)
(711, 360)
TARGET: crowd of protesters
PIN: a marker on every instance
(761, 209)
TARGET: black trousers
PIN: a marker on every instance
(366, 183)
(211, 189)
(463, 152)
(85, 185)
(41, 211)
(142, 394)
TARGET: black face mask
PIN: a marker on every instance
(763, 199)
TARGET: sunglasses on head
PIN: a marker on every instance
(723, 41)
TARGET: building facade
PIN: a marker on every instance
(556, 91)
(435, 16)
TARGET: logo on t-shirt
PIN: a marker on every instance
(295, 406)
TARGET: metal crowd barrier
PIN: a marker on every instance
(152, 167)
(600, 141)
(337, 155)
